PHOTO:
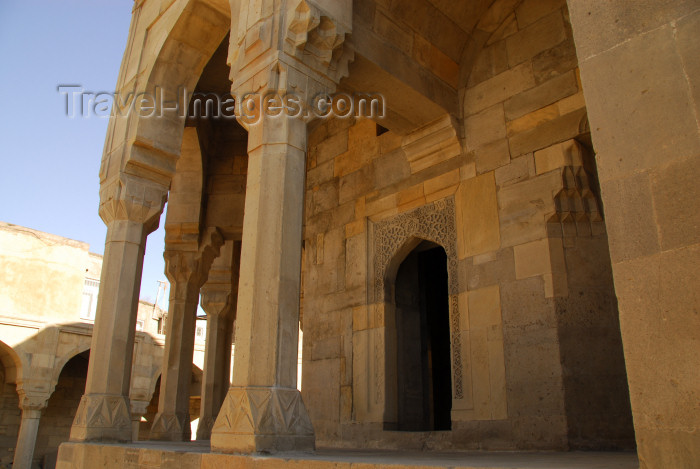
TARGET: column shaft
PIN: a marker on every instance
(26, 440)
(264, 390)
(268, 299)
(216, 379)
(104, 409)
(172, 422)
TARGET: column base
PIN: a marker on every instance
(171, 427)
(102, 417)
(204, 427)
(262, 419)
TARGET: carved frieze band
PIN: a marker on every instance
(433, 222)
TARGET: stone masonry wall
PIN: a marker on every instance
(520, 179)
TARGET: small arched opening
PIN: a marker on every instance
(56, 421)
(423, 378)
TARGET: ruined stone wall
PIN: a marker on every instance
(510, 192)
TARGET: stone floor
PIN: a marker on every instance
(197, 455)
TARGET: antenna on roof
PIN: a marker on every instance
(161, 284)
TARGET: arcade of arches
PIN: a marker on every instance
(463, 287)
(47, 290)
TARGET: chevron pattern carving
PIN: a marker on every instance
(171, 427)
(102, 416)
(254, 419)
(263, 411)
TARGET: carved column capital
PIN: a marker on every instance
(192, 267)
(217, 302)
(298, 49)
(32, 405)
(138, 408)
(134, 199)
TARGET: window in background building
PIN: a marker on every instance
(89, 306)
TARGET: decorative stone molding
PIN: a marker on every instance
(134, 199)
(433, 222)
(317, 38)
(262, 419)
(576, 204)
(300, 49)
(32, 400)
(102, 417)
(138, 407)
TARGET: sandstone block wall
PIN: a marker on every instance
(535, 339)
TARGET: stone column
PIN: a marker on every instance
(218, 300)
(298, 51)
(187, 271)
(138, 410)
(131, 208)
(32, 408)
(640, 74)
(219, 306)
(263, 410)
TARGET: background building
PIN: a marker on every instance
(48, 298)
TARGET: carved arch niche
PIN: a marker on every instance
(392, 240)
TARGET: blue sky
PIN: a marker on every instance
(50, 163)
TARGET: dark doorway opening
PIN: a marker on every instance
(423, 341)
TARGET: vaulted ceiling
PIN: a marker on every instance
(418, 53)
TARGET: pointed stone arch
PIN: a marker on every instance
(176, 48)
(392, 240)
(12, 362)
(60, 363)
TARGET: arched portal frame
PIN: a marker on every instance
(393, 239)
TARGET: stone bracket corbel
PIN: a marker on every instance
(315, 37)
